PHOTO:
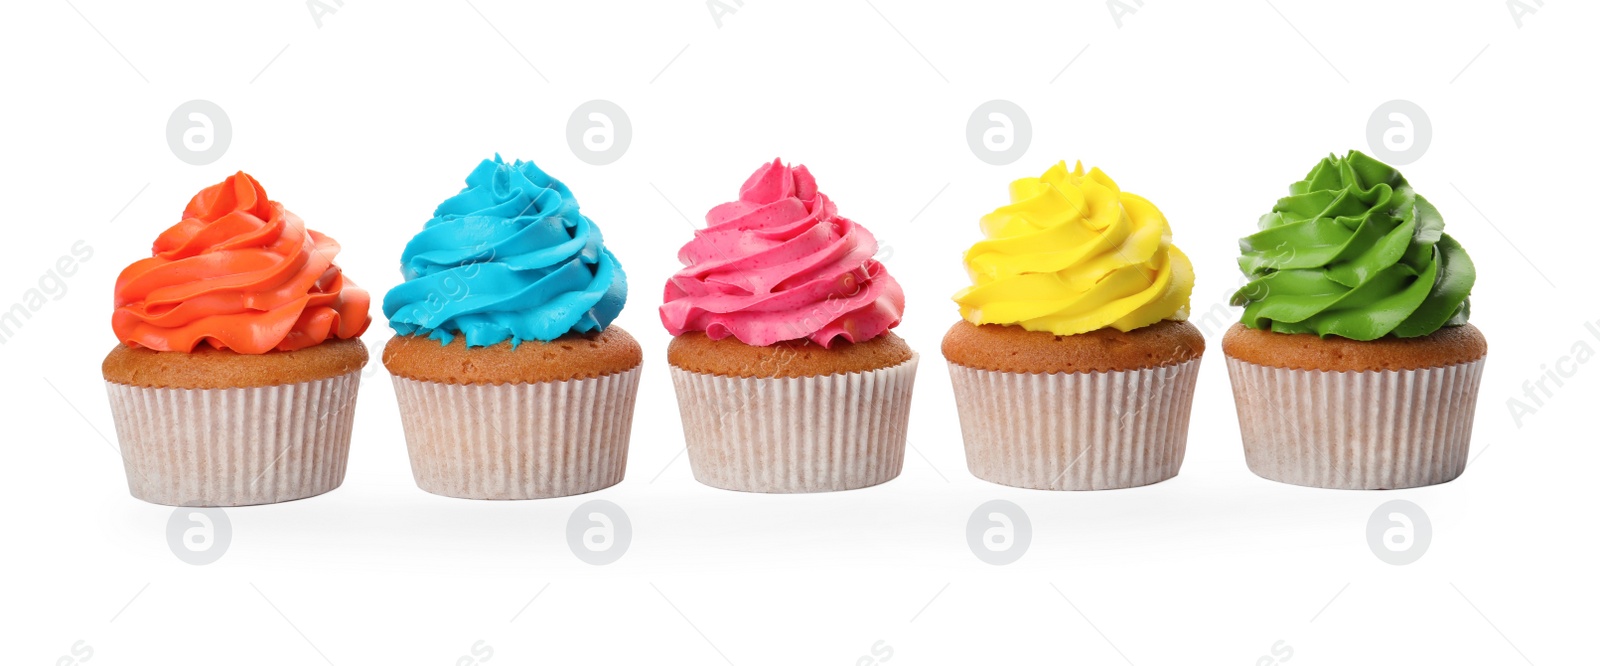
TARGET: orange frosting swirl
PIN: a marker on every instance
(239, 273)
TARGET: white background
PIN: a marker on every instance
(362, 125)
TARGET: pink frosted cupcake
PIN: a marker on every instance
(787, 375)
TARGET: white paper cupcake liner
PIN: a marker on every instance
(518, 441)
(1356, 430)
(236, 446)
(796, 434)
(1075, 430)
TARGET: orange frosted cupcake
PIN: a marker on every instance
(235, 380)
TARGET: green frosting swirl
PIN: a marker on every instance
(1353, 251)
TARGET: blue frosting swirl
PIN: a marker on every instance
(508, 258)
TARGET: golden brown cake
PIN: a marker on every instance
(210, 368)
(1305, 351)
(1015, 349)
(571, 356)
(695, 352)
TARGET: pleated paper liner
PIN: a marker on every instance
(796, 434)
(1356, 430)
(237, 446)
(1075, 430)
(518, 441)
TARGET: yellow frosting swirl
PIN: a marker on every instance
(1073, 253)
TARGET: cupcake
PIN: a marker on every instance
(1354, 365)
(787, 376)
(235, 380)
(512, 383)
(1073, 365)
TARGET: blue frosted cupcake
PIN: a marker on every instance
(511, 381)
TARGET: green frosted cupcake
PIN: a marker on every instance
(1353, 365)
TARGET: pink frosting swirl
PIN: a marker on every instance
(781, 264)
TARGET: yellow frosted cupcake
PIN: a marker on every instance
(1073, 365)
